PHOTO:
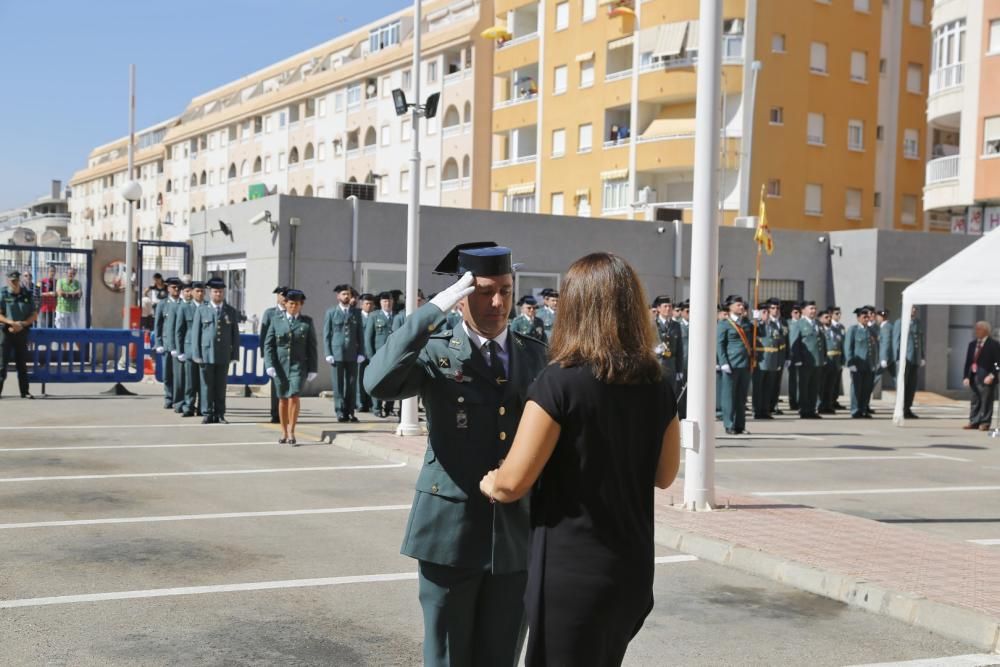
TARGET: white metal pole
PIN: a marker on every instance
(129, 242)
(746, 152)
(409, 423)
(698, 429)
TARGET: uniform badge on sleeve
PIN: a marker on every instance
(444, 362)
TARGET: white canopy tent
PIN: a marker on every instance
(967, 279)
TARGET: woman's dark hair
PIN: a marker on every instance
(604, 322)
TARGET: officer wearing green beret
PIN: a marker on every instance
(277, 310)
(527, 323)
(187, 375)
(915, 348)
(217, 341)
(377, 330)
(343, 343)
(17, 314)
(808, 357)
(769, 350)
(163, 335)
(735, 360)
(290, 360)
(860, 355)
(472, 554)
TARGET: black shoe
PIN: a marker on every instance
(282, 441)
(188, 414)
(731, 431)
(342, 420)
(353, 419)
(292, 442)
(179, 410)
(27, 396)
(777, 411)
(827, 411)
(221, 420)
(838, 406)
(811, 415)
(868, 415)
(909, 414)
(207, 420)
(168, 406)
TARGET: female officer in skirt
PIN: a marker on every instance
(290, 354)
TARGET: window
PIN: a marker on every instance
(520, 203)
(908, 211)
(879, 133)
(282, 162)
(338, 103)
(584, 138)
(862, 6)
(321, 107)
(615, 195)
(777, 116)
(587, 73)
(558, 143)
(778, 43)
(404, 130)
(383, 36)
(911, 144)
(559, 80)
(407, 79)
(383, 186)
(320, 190)
(991, 135)
(562, 16)
(404, 180)
(917, 12)
(429, 176)
(856, 135)
(556, 204)
(859, 66)
(267, 164)
(883, 65)
(321, 151)
(817, 57)
(589, 10)
(267, 127)
(815, 132)
(432, 71)
(431, 125)
(877, 200)
(914, 78)
(386, 86)
(774, 187)
(353, 95)
(993, 45)
(386, 135)
(852, 204)
(814, 199)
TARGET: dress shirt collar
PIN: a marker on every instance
(479, 341)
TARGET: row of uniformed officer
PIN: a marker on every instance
(17, 314)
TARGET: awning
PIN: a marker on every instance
(602, 3)
(621, 43)
(521, 189)
(614, 174)
(584, 57)
(438, 15)
(670, 39)
(582, 192)
(666, 127)
(692, 41)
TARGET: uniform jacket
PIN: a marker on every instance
(472, 420)
(343, 334)
(17, 307)
(989, 357)
(265, 323)
(184, 315)
(858, 348)
(917, 345)
(685, 333)
(886, 351)
(729, 348)
(377, 330)
(548, 318)
(163, 324)
(770, 345)
(835, 346)
(291, 349)
(533, 327)
(217, 339)
(808, 343)
(670, 334)
(873, 334)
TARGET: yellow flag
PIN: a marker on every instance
(763, 234)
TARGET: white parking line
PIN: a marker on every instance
(791, 459)
(986, 543)
(770, 436)
(252, 471)
(81, 427)
(171, 446)
(236, 588)
(869, 492)
(201, 517)
(943, 457)
(978, 660)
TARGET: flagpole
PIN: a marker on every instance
(756, 282)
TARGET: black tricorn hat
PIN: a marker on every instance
(280, 289)
(482, 258)
(734, 298)
(386, 295)
(661, 299)
(527, 299)
(295, 295)
(173, 280)
(215, 283)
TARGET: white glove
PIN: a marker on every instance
(726, 368)
(798, 363)
(853, 369)
(659, 348)
(173, 353)
(679, 377)
(756, 314)
(159, 349)
(329, 360)
(198, 360)
(923, 362)
(788, 363)
(182, 357)
(361, 358)
(446, 299)
(271, 372)
(884, 363)
(310, 377)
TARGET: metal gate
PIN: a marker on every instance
(42, 268)
(170, 258)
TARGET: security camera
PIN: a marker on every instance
(295, 222)
(263, 216)
(821, 239)
(661, 229)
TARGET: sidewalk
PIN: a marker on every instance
(945, 586)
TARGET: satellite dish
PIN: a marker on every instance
(51, 239)
(23, 236)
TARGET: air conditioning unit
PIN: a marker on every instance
(647, 195)
(365, 191)
(51, 239)
(23, 236)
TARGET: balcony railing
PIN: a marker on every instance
(520, 99)
(615, 76)
(518, 40)
(353, 152)
(451, 184)
(455, 77)
(370, 149)
(613, 143)
(524, 159)
(451, 130)
(665, 137)
(947, 77)
(942, 169)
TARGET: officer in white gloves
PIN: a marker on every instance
(343, 347)
(163, 331)
(290, 358)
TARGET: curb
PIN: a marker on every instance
(358, 444)
(951, 621)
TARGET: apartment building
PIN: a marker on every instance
(594, 107)
(962, 191)
(321, 123)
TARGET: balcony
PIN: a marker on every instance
(451, 184)
(519, 99)
(615, 143)
(517, 40)
(943, 179)
(946, 90)
(523, 159)
(945, 78)
(616, 76)
(456, 77)
(943, 169)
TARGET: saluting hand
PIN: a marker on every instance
(448, 298)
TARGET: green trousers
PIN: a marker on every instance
(735, 386)
(213, 389)
(808, 389)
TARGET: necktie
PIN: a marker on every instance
(496, 365)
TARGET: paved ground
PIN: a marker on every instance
(163, 542)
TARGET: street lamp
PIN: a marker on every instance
(131, 192)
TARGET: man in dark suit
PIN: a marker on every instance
(982, 369)
(343, 342)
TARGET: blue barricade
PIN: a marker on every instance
(248, 370)
(85, 355)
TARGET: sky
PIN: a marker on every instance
(64, 68)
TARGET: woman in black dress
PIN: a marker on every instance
(599, 431)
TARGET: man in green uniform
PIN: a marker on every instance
(732, 352)
(914, 358)
(684, 310)
(17, 314)
(547, 313)
(766, 373)
(859, 355)
(377, 330)
(834, 363)
(362, 399)
(187, 311)
(277, 310)
(527, 323)
(793, 370)
(841, 332)
(343, 342)
(217, 341)
(181, 379)
(886, 354)
(163, 335)
(808, 356)
(670, 346)
(472, 554)
(779, 340)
